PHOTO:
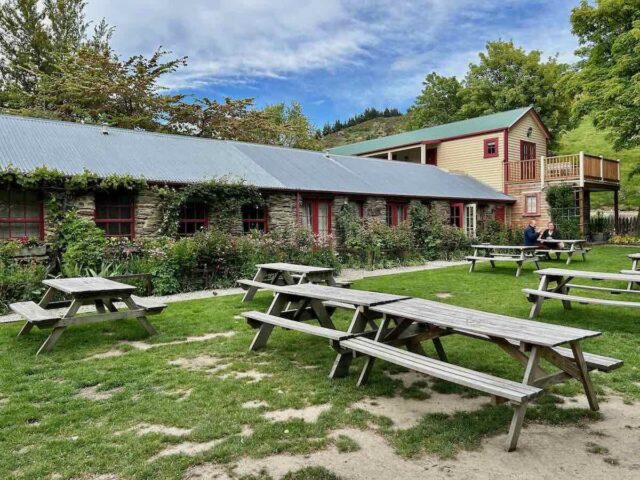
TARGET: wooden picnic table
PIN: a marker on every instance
(563, 279)
(287, 273)
(101, 292)
(571, 247)
(526, 341)
(519, 254)
(312, 301)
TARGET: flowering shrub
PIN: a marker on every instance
(624, 240)
(19, 280)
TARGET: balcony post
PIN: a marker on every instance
(582, 169)
(389, 156)
(601, 168)
(423, 154)
(542, 160)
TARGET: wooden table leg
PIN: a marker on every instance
(520, 410)
(537, 306)
(368, 364)
(264, 332)
(578, 357)
(54, 336)
(251, 291)
(46, 299)
(342, 362)
(150, 329)
(321, 314)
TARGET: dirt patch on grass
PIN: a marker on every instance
(104, 476)
(407, 412)
(254, 376)
(255, 404)
(307, 414)
(444, 295)
(92, 393)
(201, 338)
(545, 452)
(194, 448)
(205, 363)
(107, 354)
(146, 428)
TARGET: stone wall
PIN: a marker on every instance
(281, 208)
(147, 213)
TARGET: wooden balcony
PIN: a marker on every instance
(580, 168)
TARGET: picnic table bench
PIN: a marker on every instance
(517, 254)
(101, 292)
(571, 247)
(406, 322)
(561, 291)
(288, 274)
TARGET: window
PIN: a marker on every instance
(527, 150)
(194, 216)
(316, 216)
(490, 148)
(114, 214)
(455, 214)
(470, 220)
(396, 213)
(254, 217)
(532, 204)
(358, 207)
(21, 215)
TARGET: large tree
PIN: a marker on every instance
(607, 84)
(508, 77)
(439, 102)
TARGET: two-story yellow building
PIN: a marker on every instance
(507, 151)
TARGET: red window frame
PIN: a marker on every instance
(315, 210)
(527, 213)
(113, 201)
(456, 214)
(248, 221)
(359, 204)
(487, 142)
(397, 212)
(193, 216)
(12, 221)
(500, 214)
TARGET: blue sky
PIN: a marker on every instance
(336, 57)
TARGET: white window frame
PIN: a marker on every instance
(470, 219)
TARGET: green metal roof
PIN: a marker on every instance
(494, 121)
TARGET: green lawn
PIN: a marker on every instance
(45, 428)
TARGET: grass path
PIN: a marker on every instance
(97, 405)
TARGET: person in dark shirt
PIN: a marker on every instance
(551, 233)
(531, 235)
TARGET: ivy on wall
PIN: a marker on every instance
(562, 209)
(223, 197)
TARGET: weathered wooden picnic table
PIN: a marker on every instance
(570, 247)
(288, 274)
(518, 254)
(312, 301)
(101, 292)
(526, 341)
(406, 322)
(563, 279)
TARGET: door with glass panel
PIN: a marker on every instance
(470, 220)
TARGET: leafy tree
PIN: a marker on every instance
(295, 129)
(439, 102)
(508, 77)
(367, 114)
(608, 82)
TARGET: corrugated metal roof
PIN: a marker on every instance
(485, 123)
(28, 143)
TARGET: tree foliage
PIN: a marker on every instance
(607, 84)
(367, 114)
(439, 102)
(506, 77)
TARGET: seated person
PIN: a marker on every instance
(551, 233)
(531, 235)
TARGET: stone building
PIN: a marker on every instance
(299, 186)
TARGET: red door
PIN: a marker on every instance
(528, 165)
(432, 156)
(456, 217)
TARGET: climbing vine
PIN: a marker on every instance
(224, 197)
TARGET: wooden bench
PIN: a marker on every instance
(502, 258)
(150, 305)
(34, 313)
(518, 393)
(533, 295)
(568, 251)
(256, 319)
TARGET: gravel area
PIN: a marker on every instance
(349, 274)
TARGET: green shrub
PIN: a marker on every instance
(79, 244)
(19, 280)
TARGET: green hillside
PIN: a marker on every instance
(589, 139)
(377, 127)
